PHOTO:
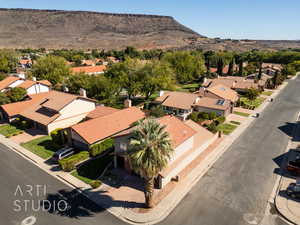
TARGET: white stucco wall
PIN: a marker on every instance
(183, 148)
(16, 83)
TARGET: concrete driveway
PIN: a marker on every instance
(28, 135)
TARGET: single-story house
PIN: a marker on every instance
(178, 103)
(9, 112)
(271, 68)
(52, 110)
(90, 70)
(31, 86)
(188, 140)
(219, 92)
(221, 107)
(96, 130)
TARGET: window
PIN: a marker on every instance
(123, 146)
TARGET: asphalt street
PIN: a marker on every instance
(235, 191)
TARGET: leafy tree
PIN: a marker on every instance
(8, 61)
(150, 151)
(52, 68)
(155, 76)
(16, 94)
(252, 93)
(2, 76)
(4, 99)
(157, 111)
(187, 67)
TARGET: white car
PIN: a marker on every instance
(63, 153)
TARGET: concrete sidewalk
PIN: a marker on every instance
(169, 202)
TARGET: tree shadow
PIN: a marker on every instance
(50, 145)
(74, 204)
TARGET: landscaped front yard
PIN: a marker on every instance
(43, 147)
(251, 104)
(226, 128)
(9, 130)
(241, 114)
(188, 87)
(268, 93)
(91, 170)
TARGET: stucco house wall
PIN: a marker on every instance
(208, 110)
(186, 161)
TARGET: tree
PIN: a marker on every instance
(8, 61)
(52, 68)
(150, 151)
(4, 99)
(220, 59)
(16, 94)
(230, 67)
(157, 111)
(252, 93)
(187, 67)
(207, 57)
(155, 76)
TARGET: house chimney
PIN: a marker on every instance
(127, 103)
(161, 93)
(21, 75)
(66, 89)
(82, 92)
(34, 78)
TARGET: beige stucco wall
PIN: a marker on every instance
(187, 160)
(72, 114)
(208, 110)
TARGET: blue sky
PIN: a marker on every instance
(253, 19)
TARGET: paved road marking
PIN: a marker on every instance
(31, 220)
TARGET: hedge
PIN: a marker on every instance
(69, 164)
(57, 136)
(97, 149)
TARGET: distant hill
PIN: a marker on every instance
(20, 28)
(29, 28)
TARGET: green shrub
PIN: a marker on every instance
(203, 115)
(157, 111)
(212, 127)
(57, 136)
(220, 120)
(212, 115)
(235, 122)
(97, 149)
(69, 164)
(95, 183)
(194, 116)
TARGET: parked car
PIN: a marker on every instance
(293, 190)
(294, 166)
(63, 153)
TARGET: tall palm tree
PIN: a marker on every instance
(150, 151)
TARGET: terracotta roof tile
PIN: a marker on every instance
(176, 99)
(213, 103)
(103, 127)
(45, 82)
(7, 81)
(101, 111)
(89, 69)
(224, 92)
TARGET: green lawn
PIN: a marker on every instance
(241, 114)
(235, 122)
(226, 128)
(43, 147)
(188, 87)
(9, 130)
(252, 103)
(92, 169)
(268, 93)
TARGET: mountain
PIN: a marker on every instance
(20, 28)
(30, 28)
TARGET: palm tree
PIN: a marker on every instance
(150, 151)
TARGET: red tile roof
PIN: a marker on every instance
(89, 69)
(7, 81)
(101, 111)
(95, 130)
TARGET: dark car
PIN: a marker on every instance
(293, 190)
(62, 153)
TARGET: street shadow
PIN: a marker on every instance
(75, 205)
(283, 194)
(281, 162)
(288, 128)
